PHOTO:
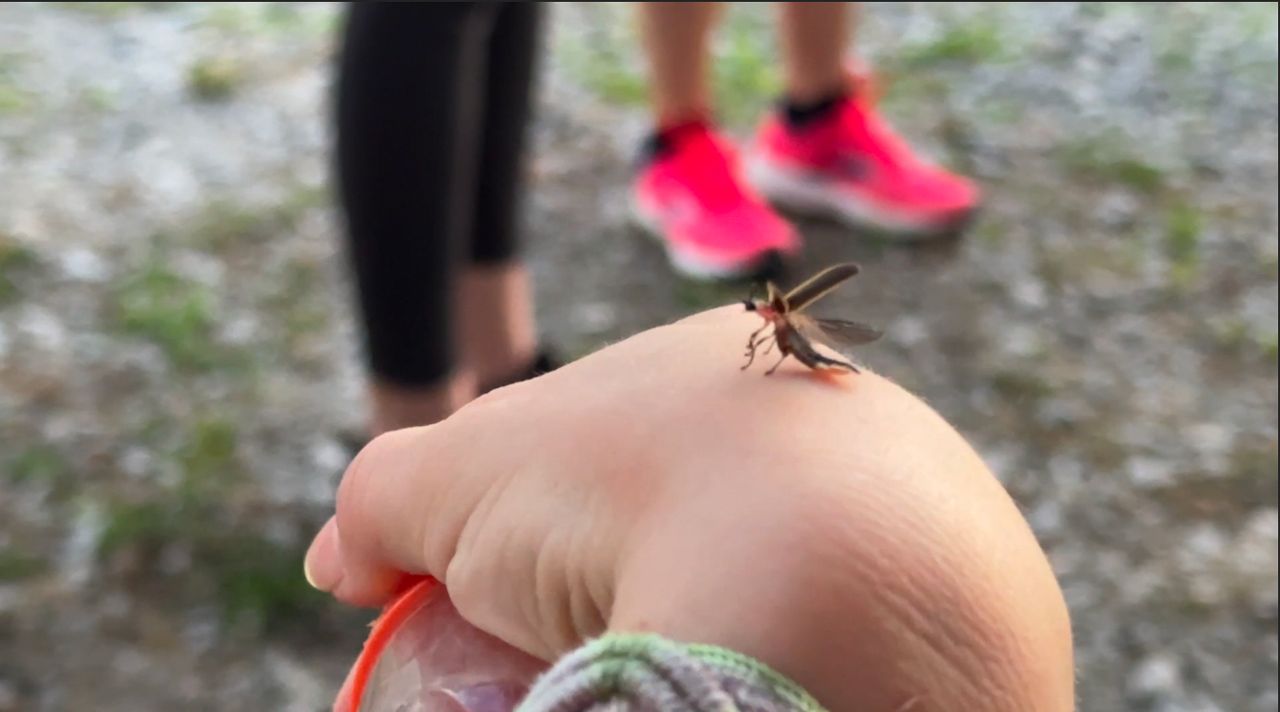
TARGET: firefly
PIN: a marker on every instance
(794, 334)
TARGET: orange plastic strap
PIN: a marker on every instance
(420, 589)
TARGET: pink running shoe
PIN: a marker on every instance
(849, 164)
(691, 195)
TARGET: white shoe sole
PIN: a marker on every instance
(796, 193)
(685, 262)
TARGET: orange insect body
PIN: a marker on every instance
(794, 334)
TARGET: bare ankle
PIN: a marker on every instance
(496, 321)
(395, 406)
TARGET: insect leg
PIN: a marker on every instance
(753, 347)
(776, 365)
(751, 354)
(751, 342)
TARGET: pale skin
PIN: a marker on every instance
(814, 38)
(496, 336)
(832, 526)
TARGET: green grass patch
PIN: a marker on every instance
(207, 457)
(1182, 243)
(266, 19)
(970, 42)
(298, 302)
(171, 311)
(15, 260)
(745, 73)
(260, 581)
(603, 59)
(1108, 160)
(13, 99)
(98, 99)
(225, 225)
(112, 10)
(1020, 386)
(215, 79)
(255, 580)
(17, 565)
(37, 463)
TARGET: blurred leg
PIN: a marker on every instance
(675, 41)
(409, 103)
(815, 36)
(495, 300)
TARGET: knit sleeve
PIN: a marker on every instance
(648, 673)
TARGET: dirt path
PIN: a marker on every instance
(177, 356)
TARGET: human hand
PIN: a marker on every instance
(833, 527)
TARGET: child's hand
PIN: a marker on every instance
(832, 526)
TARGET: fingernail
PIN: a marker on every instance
(323, 563)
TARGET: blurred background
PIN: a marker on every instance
(179, 358)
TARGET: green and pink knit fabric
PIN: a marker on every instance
(648, 673)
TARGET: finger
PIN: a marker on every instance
(322, 565)
(401, 507)
(728, 312)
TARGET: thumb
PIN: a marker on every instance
(401, 507)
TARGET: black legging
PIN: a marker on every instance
(432, 103)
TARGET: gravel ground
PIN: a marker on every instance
(178, 362)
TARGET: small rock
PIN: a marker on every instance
(43, 328)
(1029, 293)
(1117, 210)
(1209, 438)
(1157, 676)
(1046, 518)
(594, 318)
(909, 331)
(83, 265)
(1150, 473)
(328, 455)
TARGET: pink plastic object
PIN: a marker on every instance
(421, 656)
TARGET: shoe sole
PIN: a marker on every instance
(694, 267)
(791, 192)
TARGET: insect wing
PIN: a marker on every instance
(819, 285)
(840, 334)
